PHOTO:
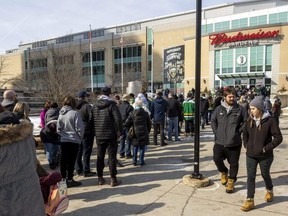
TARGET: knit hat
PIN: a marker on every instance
(258, 103)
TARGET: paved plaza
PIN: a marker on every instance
(157, 187)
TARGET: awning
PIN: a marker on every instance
(241, 75)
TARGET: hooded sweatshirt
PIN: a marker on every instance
(70, 125)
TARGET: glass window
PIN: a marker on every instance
(282, 17)
(217, 62)
(256, 59)
(273, 18)
(240, 68)
(239, 23)
(268, 58)
(206, 29)
(220, 26)
(259, 20)
(227, 61)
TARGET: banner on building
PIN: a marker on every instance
(174, 64)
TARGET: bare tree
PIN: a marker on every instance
(55, 72)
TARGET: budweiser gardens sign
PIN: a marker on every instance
(243, 40)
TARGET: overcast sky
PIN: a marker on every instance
(31, 20)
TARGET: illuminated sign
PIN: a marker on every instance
(222, 38)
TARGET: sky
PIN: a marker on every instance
(33, 20)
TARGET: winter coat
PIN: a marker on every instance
(174, 108)
(158, 110)
(125, 109)
(70, 125)
(84, 109)
(204, 105)
(226, 126)
(20, 192)
(258, 140)
(188, 109)
(139, 119)
(106, 119)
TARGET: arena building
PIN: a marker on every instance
(243, 44)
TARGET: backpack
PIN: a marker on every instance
(58, 200)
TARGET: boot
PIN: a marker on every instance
(101, 180)
(269, 196)
(224, 178)
(248, 205)
(115, 182)
(230, 186)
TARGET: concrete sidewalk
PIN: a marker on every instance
(157, 188)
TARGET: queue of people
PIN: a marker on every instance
(70, 131)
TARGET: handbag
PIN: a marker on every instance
(131, 132)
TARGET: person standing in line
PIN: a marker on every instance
(71, 130)
(158, 111)
(50, 137)
(108, 127)
(125, 142)
(204, 105)
(9, 100)
(86, 146)
(189, 114)
(19, 185)
(43, 113)
(276, 109)
(173, 111)
(140, 121)
(226, 123)
(261, 135)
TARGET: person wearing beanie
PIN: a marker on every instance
(261, 135)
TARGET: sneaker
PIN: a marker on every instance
(101, 181)
(230, 186)
(115, 182)
(73, 183)
(224, 178)
(142, 164)
(89, 174)
(248, 205)
(178, 140)
(121, 156)
(269, 196)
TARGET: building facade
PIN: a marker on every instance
(243, 44)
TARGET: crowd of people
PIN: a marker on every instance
(236, 115)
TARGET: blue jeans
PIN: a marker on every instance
(141, 156)
(85, 150)
(173, 124)
(125, 140)
(51, 152)
(265, 165)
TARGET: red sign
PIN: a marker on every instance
(221, 38)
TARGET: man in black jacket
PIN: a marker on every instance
(173, 111)
(125, 109)
(108, 127)
(226, 123)
(85, 149)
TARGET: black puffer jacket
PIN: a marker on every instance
(258, 140)
(106, 119)
(141, 122)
